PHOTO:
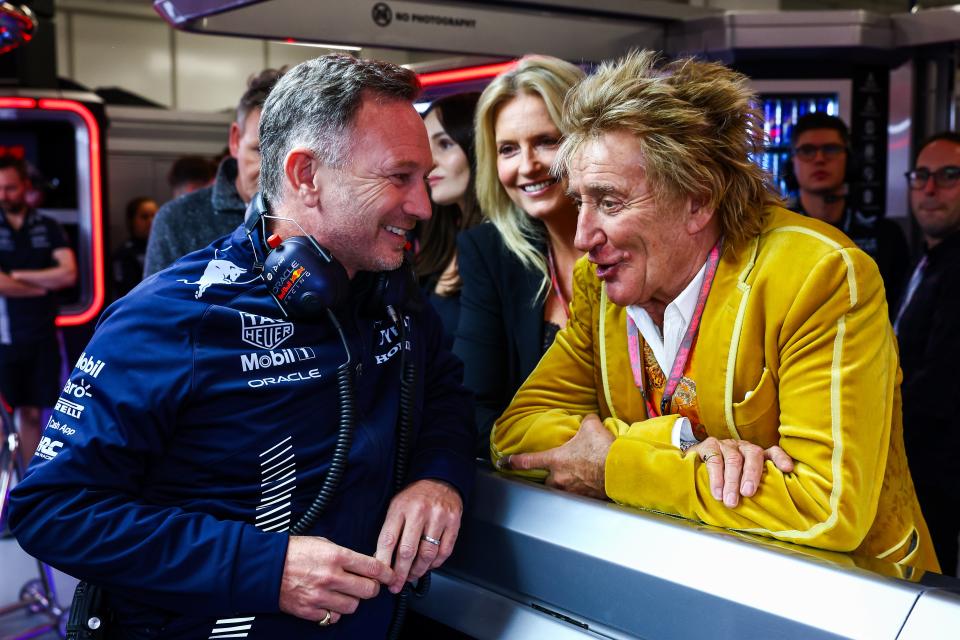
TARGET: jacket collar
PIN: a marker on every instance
(948, 246)
(845, 223)
(28, 219)
(225, 197)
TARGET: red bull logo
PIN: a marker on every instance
(291, 281)
(218, 271)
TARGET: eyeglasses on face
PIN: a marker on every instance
(808, 152)
(943, 178)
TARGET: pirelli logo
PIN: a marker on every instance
(66, 407)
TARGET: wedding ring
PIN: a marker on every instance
(326, 619)
(427, 538)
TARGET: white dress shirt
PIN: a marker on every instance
(666, 344)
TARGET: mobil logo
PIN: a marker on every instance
(89, 365)
(267, 359)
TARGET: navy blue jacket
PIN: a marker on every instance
(198, 426)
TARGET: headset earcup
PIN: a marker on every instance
(303, 280)
(256, 210)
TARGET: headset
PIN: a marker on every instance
(303, 278)
(306, 281)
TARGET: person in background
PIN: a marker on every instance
(449, 123)
(927, 324)
(189, 173)
(198, 218)
(820, 163)
(726, 360)
(35, 261)
(128, 259)
(517, 271)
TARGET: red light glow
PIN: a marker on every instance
(15, 151)
(17, 103)
(96, 210)
(462, 75)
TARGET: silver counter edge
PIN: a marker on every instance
(534, 562)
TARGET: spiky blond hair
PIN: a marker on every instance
(697, 123)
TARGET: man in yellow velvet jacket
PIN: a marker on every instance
(719, 347)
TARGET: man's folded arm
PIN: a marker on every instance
(548, 408)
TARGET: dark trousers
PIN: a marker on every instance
(941, 510)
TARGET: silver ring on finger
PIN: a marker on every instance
(433, 541)
(327, 619)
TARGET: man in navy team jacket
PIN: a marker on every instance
(199, 423)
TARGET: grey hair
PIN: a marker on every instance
(314, 105)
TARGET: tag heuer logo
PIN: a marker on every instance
(265, 333)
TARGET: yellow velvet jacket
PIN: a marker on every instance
(797, 318)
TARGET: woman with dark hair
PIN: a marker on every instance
(449, 123)
(128, 259)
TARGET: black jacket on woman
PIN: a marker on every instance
(501, 331)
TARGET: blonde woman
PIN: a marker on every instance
(517, 269)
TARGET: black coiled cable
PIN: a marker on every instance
(341, 450)
(408, 384)
(338, 465)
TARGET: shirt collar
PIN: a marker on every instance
(665, 341)
(945, 247)
(28, 219)
(686, 302)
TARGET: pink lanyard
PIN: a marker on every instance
(556, 283)
(686, 346)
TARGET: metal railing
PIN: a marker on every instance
(535, 562)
